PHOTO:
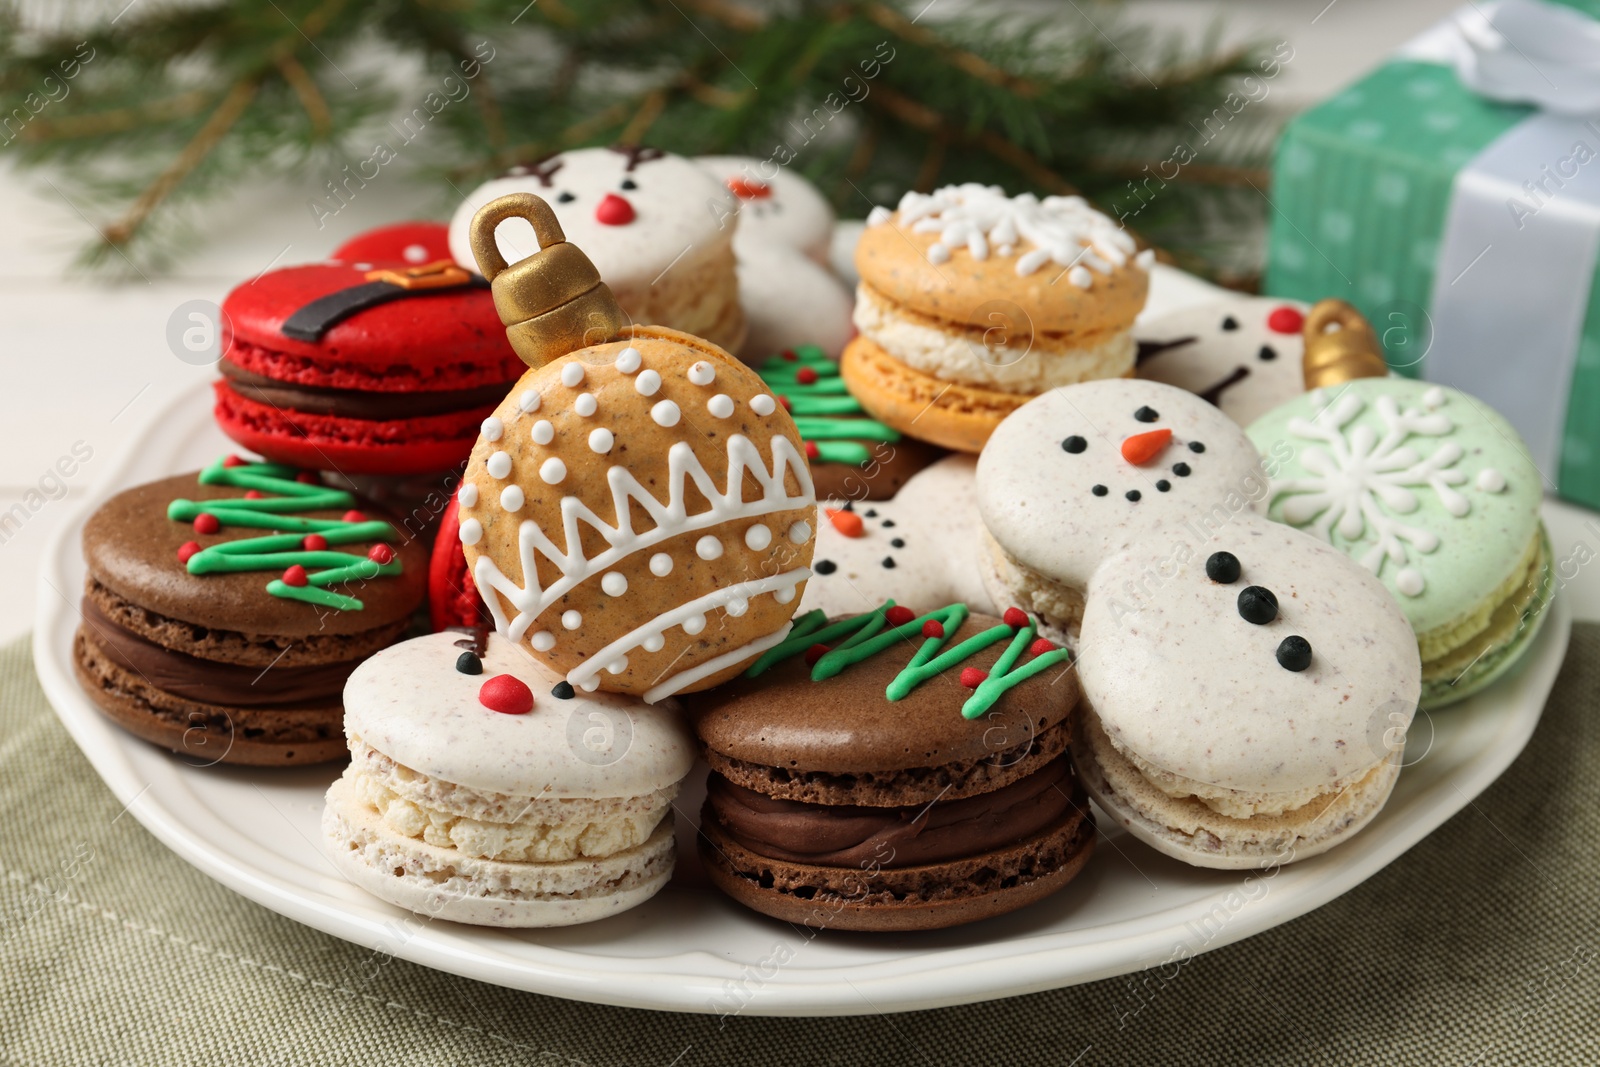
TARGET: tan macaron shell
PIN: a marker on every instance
(556, 440)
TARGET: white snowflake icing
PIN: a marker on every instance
(1361, 480)
(1063, 230)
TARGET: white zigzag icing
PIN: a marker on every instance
(671, 519)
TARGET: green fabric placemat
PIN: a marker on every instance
(1476, 947)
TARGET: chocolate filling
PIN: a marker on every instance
(357, 403)
(850, 836)
(226, 684)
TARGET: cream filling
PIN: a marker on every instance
(1437, 644)
(996, 356)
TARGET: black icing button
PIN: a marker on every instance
(563, 691)
(1147, 414)
(1257, 604)
(1267, 353)
(467, 663)
(1074, 444)
(1099, 490)
(1163, 485)
(1230, 323)
(888, 562)
(1181, 470)
(1223, 567)
(1294, 654)
(1197, 446)
(1133, 495)
(824, 566)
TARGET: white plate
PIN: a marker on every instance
(690, 949)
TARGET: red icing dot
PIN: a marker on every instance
(972, 677)
(295, 575)
(846, 522)
(816, 652)
(788, 354)
(806, 375)
(313, 542)
(787, 405)
(187, 549)
(613, 210)
(206, 523)
(233, 461)
(308, 477)
(1041, 646)
(507, 695)
(355, 516)
(933, 628)
(380, 554)
(812, 451)
(899, 615)
(1015, 618)
(1285, 320)
(253, 494)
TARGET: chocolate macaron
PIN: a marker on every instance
(223, 611)
(894, 771)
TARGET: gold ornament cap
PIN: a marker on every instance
(552, 302)
(1340, 346)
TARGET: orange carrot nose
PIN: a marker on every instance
(1141, 448)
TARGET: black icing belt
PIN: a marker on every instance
(357, 403)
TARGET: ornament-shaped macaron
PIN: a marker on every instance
(638, 512)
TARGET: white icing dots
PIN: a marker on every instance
(660, 564)
(1433, 399)
(720, 405)
(589, 685)
(694, 624)
(528, 402)
(784, 595)
(702, 373)
(629, 360)
(757, 537)
(511, 498)
(654, 643)
(1409, 581)
(614, 583)
(762, 404)
(468, 495)
(878, 215)
(938, 253)
(585, 405)
(471, 532)
(572, 375)
(1491, 480)
(800, 532)
(601, 440)
(708, 548)
(648, 382)
(414, 253)
(543, 432)
(543, 641)
(500, 464)
(1080, 277)
(553, 470)
(738, 607)
(618, 665)
(492, 429)
(665, 413)
(1145, 259)
(571, 619)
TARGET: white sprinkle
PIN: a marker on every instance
(1409, 581)
(614, 583)
(647, 383)
(553, 470)
(618, 665)
(585, 405)
(500, 465)
(528, 401)
(414, 253)
(763, 404)
(702, 373)
(660, 564)
(511, 498)
(543, 432)
(708, 547)
(720, 405)
(665, 413)
(653, 643)
(1491, 480)
(492, 428)
(571, 619)
(572, 375)
(543, 641)
(757, 537)
(468, 495)
(601, 440)
(938, 253)
(1081, 277)
(1433, 398)
(1145, 259)
(694, 624)
(361, 266)
(878, 216)
(800, 532)
(629, 360)
(471, 532)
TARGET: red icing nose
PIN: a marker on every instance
(507, 695)
(1141, 448)
(613, 210)
(1285, 320)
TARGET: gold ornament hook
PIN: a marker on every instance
(1340, 346)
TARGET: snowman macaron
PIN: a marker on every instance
(1244, 354)
(785, 229)
(647, 220)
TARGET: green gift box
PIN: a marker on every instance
(1466, 229)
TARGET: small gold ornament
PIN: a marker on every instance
(552, 302)
(1340, 346)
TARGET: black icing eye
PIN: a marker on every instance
(1294, 654)
(1147, 414)
(629, 184)
(566, 198)
(1163, 485)
(1074, 444)
(563, 691)
(1133, 495)
(467, 663)
(1197, 447)
(888, 563)
(1230, 323)
(824, 566)
(1223, 567)
(1267, 353)
(888, 523)
(870, 513)
(1257, 604)
(898, 542)
(1099, 490)
(1181, 470)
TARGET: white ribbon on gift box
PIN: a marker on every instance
(1511, 288)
